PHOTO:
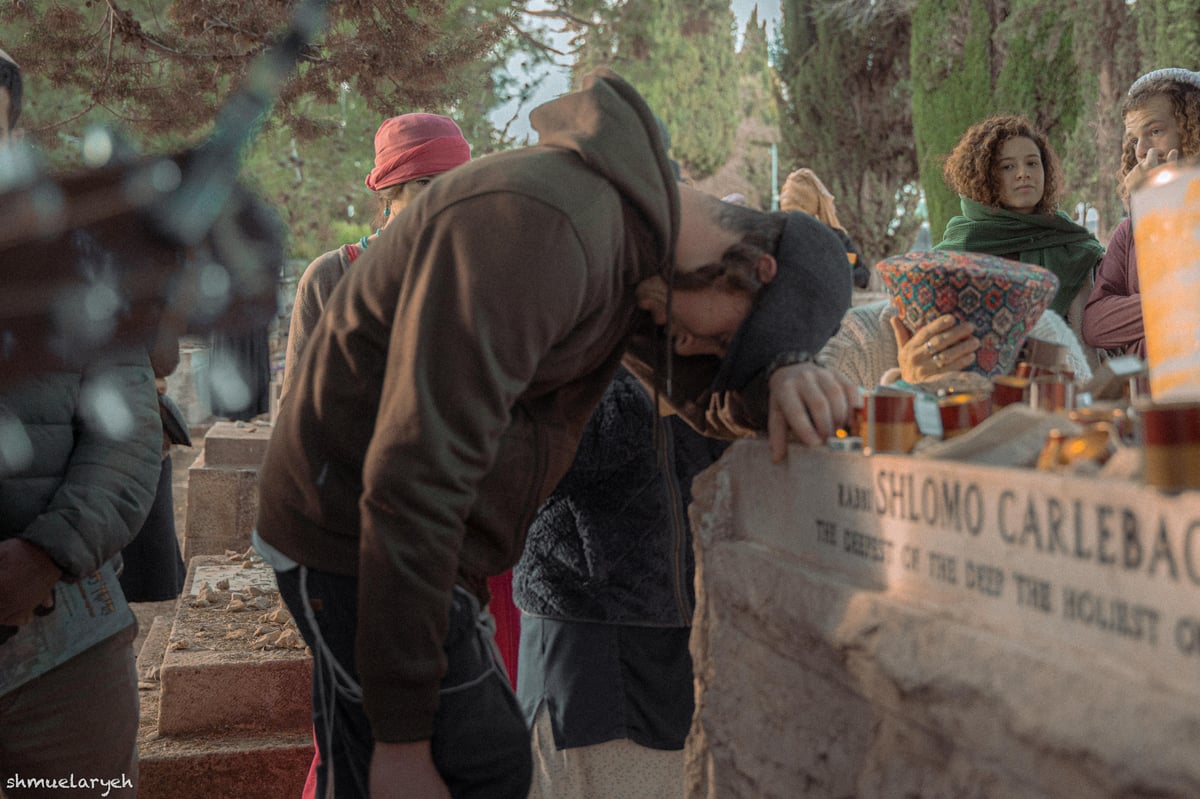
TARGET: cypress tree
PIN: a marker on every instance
(1169, 33)
(1105, 48)
(845, 114)
(681, 58)
(953, 69)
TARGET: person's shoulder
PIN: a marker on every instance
(536, 180)
(1051, 326)
(1123, 232)
(870, 314)
(326, 268)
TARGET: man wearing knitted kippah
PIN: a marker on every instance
(1162, 125)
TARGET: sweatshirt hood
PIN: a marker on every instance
(614, 132)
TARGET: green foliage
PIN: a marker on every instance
(680, 56)
(1105, 52)
(315, 184)
(163, 74)
(844, 105)
(753, 56)
(952, 68)
(1038, 76)
(347, 232)
(1169, 33)
(757, 77)
(162, 68)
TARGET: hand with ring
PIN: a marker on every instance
(944, 345)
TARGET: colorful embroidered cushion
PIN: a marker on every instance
(1003, 299)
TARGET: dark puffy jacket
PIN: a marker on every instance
(612, 543)
(79, 460)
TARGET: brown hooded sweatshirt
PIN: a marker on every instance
(445, 388)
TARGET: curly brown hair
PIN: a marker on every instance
(968, 169)
(1185, 102)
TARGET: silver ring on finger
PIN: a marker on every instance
(929, 347)
(938, 359)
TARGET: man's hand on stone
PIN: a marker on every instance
(809, 403)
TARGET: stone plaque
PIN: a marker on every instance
(1096, 571)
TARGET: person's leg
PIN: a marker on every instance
(153, 569)
(613, 768)
(78, 720)
(480, 741)
(552, 777)
(508, 622)
(325, 607)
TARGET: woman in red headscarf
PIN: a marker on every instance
(410, 150)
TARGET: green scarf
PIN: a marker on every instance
(1053, 242)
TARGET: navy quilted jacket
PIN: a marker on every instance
(612, 543)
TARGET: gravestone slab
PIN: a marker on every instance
(223, 488)
(234, 659)
(887, 626)
(222, 508)
(241, 444)
(188, 384)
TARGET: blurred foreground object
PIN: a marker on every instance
(1166, 230)
(87, 268)
(130, 250)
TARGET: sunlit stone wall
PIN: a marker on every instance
(893, 627)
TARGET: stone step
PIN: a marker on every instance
(154, 646)
(224, 766)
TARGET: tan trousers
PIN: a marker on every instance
(611, 770)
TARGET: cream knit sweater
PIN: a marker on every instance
(865, 350)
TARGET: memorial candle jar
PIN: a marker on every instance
(1052, 392)
(961, 412)
(1007, 389)
(889, 421)
(1170, 435)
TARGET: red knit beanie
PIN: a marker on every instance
(413, 146)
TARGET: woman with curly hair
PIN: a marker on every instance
(1162, 124)
(1007, 177)
(1008, 180)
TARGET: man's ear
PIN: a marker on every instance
(652, 297)
(766, 267)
